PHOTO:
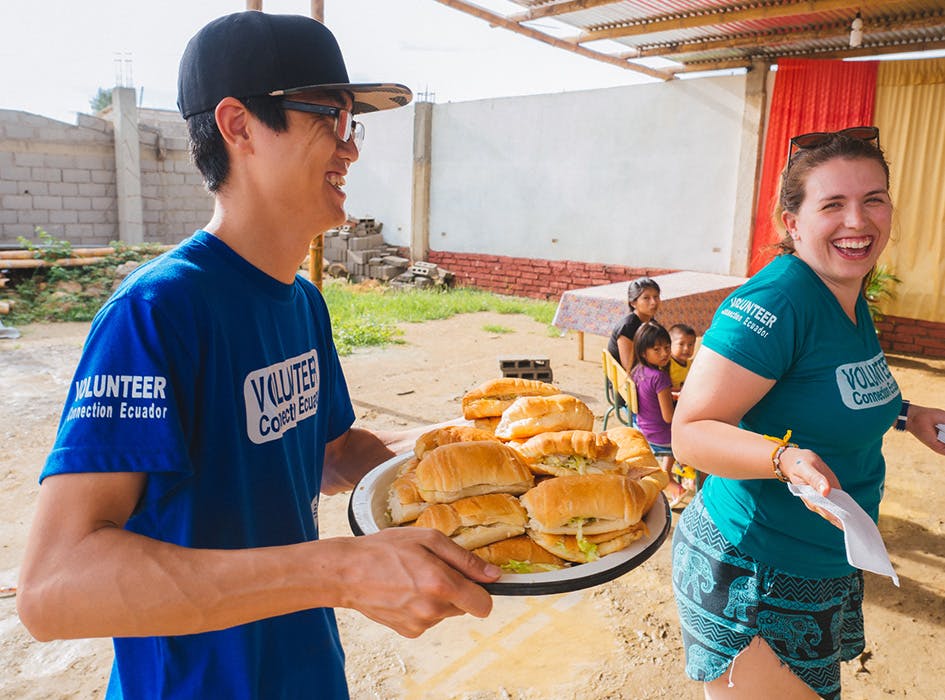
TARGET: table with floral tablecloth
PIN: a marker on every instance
(686, 297)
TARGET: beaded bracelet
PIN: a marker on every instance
(783, 444)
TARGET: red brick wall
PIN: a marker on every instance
(909, 336)
(531, 277)
(548, 279)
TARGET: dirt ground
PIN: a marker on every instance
(618, 640)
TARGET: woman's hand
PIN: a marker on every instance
(922, 422)
(806, 467)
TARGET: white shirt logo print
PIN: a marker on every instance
(866, 384)
(277, 397)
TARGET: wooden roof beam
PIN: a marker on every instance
(560, 7)
(713, 65)
(500, 21)
(777, 38)
(874, 50)
(903, 47)
(788, 35)
(724, 15)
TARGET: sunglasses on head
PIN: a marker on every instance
(815, 139)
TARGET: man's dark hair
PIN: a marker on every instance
(207, 149)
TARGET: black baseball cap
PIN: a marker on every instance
(251, 54)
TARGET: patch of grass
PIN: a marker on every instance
(381, 308)
(350, 333)
(362, 315)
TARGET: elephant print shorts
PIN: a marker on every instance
(726, 598)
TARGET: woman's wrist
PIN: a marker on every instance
(782, 444)
(903, 420)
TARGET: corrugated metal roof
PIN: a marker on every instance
(707, 34)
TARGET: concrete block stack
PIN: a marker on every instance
(357, 250)
(423, 274)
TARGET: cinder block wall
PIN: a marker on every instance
(61, 177)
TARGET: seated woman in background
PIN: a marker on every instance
(655, 415)
(643, 298)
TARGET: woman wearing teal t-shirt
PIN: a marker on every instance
(791, 386)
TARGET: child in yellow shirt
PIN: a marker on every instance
(682, 348)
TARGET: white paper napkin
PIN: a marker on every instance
(865, 548)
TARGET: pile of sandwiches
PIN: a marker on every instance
(528, 485)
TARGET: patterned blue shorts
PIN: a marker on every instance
(726, 598)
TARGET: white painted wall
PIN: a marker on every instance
(379, 182)
(642, 176)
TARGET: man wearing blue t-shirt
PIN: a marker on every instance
(178, 511)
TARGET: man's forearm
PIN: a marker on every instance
(117, 583)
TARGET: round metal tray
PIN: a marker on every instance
(367, 514)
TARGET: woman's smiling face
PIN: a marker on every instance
(843, 224)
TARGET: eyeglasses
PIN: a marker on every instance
(345, 125)
(819, 138)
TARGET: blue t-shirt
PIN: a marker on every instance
(649, 383)
(223, 385)
(835, 392)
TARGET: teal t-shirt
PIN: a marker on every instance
(835, 392)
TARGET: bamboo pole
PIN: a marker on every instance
(76, 253)
(24, 259)
(315, 251)
(21, 264)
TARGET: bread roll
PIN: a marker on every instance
(520, 555)
(653, 485)
(591, 547)
(447, 435)
(476, 521)
(633, 450)
(570, 452)
(493, 397)
(463, 469)
(531, 415)
(488, 424)
(407, 466)
(404, 502)
(591, 503)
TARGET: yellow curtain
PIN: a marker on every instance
(910, 113)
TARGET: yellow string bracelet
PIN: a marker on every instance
(783, 444)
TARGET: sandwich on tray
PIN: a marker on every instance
(532, 415)
(462, 469)
(520, 555)
(449, 434)
(582, 518)
(478, 520)
(489, 399)
(570, 453)
(633, 451)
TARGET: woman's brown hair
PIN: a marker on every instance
(794, 176)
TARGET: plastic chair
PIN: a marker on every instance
(617, 386)
(617, 383)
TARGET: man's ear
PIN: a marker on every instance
(233, 121)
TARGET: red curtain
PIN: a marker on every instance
(809, 95)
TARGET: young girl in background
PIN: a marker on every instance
(651, 348)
